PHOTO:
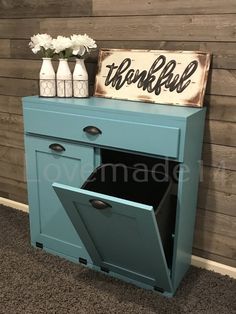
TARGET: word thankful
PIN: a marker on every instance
(123, 74)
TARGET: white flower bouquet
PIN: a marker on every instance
(65, 47)
(42, 43)
(82, 45)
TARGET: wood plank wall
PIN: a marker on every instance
(208, 25)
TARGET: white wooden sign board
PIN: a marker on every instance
(158, 76)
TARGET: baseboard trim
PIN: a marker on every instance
(214, 266)
(13, 204)
(196, 260)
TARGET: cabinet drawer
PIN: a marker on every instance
(149, 138)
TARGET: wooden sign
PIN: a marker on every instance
(158, 76)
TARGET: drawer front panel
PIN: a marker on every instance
(148, 138)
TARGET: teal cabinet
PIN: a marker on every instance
(51, 160)
(139, 232)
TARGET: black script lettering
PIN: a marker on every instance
(154, 68)
(129, 76)
(190, 69)
(111, 68)
(117, 80)
(165, 77)
(145, 79)
(139, 77)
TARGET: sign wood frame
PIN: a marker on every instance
(156, 76)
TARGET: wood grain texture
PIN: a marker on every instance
(12, 155)
(187, 25)
(18, 28)
(11, 104)
(220, 82)
(222, 108)
(221, 133)
(12, 171)
(215, 257)
(218, 179)
(16, 190)
(223, 53)
(219, 156)
(152, 7)
(216, 223)
(44, 8)
(5, 49)
(29, 69)
(10, 138)
(18, 87)
(11, 122)
(179, 27)
(217, 201)
(215, 243)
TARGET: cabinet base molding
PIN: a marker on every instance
(214, 266)
(196, 260)
(14, 204)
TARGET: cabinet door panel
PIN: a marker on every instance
(47, 163)
(122, 236)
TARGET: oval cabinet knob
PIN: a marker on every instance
(92, 130)
(57, 147)
(98, 204)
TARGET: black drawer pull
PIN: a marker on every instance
(57, 147)
(99, 204)
(92, 130)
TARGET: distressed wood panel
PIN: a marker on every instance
(216, 223)
(221, 108)
(15, 156)
(18, 28)
(219, 202)
(10, 104)
(215, 257)
(152, 7)
(220, 82)
(5, 49)
(219, 156)
(29, 69)
(44, 8)
(18, 87)
(11, 138)
(15, 190)
(223, 53)
(179, 27)
(193, 25)
(24, 69)
(218, 179)
(215, 243)
(222, 133)
(11, 122)
(12, 171)
(193, 64)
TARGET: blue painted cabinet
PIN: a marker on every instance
(139, 232)
(51, 160)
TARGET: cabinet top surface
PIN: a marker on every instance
(110, 105)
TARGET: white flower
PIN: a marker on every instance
(61, 43)
(82, 44)
(40, 41)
